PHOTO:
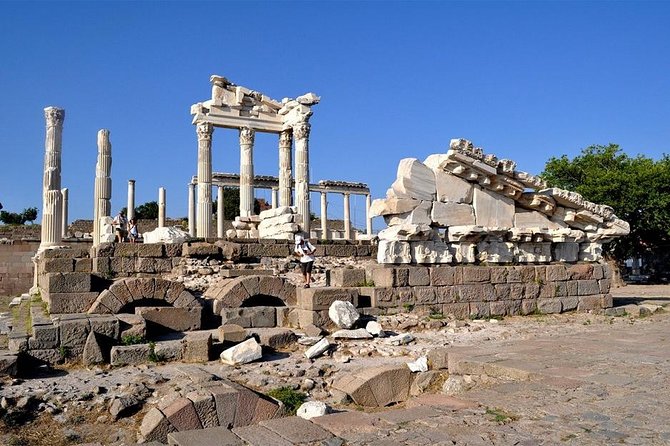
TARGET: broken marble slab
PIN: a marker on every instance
(407, 232)
(392, 206)
(414, 180)
(419, 216)
(452, 214)
(492, 209)
(430, 252)
(394, 252)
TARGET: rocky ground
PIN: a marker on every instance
(71, 404)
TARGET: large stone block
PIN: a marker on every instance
(57, 265)
(381, 276)
(480, 310)
(129, 354)
(347, 277)
(393, 252)
(275, 338)
(533, 252)
(492, 210)
(225, 398)
(556, 272)
(376, 386)
(150, 250)
(452, 214)
(458, 310)
(74, 330)
(496, 252)
(214, 436)
(196, 347)
(322, 298)
(442, 275)
(70, 302)
(248, 317)
(476, 274)
(270, 286)
(182, 415)
(200, 249)
(205, 407)
(155, 426)
(379, 297)
(67, 282)
(414, 180)
(565, 252)
(44, 337)
(550, 305)
(451, 188)
(587, 287)
(341, 250)
(476, 292)
(419, 276)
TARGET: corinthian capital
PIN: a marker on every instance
(54, 116)
(204, 130)
(247, 136)
(285, 138)
(301, 130)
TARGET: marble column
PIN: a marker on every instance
(274, 197)
(324, 215)
(247, 136)
(204, 220)
(368, 217)
(191, 210)
(161, 207)
(131, 200)
(65, 193)
(102, 206)
(347, 217)
(285, 168)
(301, 135)
(52, 199)
(220, 212)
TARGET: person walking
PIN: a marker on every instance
(305, 251)
(120, 223)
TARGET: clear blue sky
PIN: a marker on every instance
(523, 80)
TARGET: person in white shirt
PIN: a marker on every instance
(121, 223)
(305, 250)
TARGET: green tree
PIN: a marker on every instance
(637, 188)
(231, 203)
(146, 211)
(12, 218)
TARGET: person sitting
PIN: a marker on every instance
(305, 250)
(120, 222)
(133, 235)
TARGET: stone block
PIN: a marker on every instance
(503, 291)
(565, 252)
(8, 364)
(169, 350)
(381, 276)
(401, 277)
(480, 310)
(129, 354)
(196, 347)
(248, 317)
(363, 251)
(528, 306)
(270, 286)
(200, 249)
(150, 249)
(587, 287)
(607, 271)
(492, 210)
(109, 301)
(452, 214)
(319, 318)
(182, 415)
(215, 436)
(341, 250)
(155, 426)
(438, 358)
(388, 384)
(379, 297)
(418, 276)
(322, 298)
(67, 282)
(537, 252)
(404, 296)
(347, 277)
(275, 338)
(44, 336)
(580, 271)
(476, 292)
(500, 308)
(161, 288)
(548, 306)
(571, 288)
(185, 300)
(145, 288)
(593, 302)
(496, 252)
(451, 188)
(205, 407)
(569, 303)
(476, 274)
(556, 272)
(442, 275)
(121, 292)
(547, 290)
(174, 291)
(532, 290)
(50, 355)
(106, 326)
(172, 249)
(172, 318)
(246, 405)
(225, 398)
(126, 249)
(446, 294)
(604, 285)
(251, 284)
(70, 302)
(131, 325)
(521, 274)
(83, 265)
(517, 291)
(425, 295)
(298, 431)
(232, 333)
(499, 274)
(73, 332)
(561, 289)
(259, 435)
(393, 252)
(58, 265)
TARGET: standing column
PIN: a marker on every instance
(161, 207)
(204, 220)
(191, 209)
(347, 218)
(285, 163)
(52, 199)
(324, 215)
(274, 197)
(247, 136)
(131, 200)
(301, 134)
(64, 193)
(368, 217)
(102, 206)
(220, 212)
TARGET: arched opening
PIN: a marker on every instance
(262, 300)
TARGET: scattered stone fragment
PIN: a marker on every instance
(343, 313)
(312, 330)
(317, 349)
(375, 329)
(309, 340)
(312, 409)
(242, 353)
(360, 333)
(420, 365)
(401, 339)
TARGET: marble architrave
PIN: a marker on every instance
(533, 252)
(565, 251)
(389, 251)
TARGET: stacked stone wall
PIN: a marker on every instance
(16, 266)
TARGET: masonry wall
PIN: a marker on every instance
(16, 266)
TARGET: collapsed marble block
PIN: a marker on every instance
(166, 235)
(534, 219)
(451, 188)
(406, 232)
(452, 214)
(590, 252)
(430, 252)
(496, 252)
(414, 180)
(465, 233)
(533, 252)
(107, 231)
(278, 211)
(565, 252)
(463, 252)
(392, 206)
(492, 210)
(390, 251)
(420, 215)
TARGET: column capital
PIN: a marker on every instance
(204, 130)
(247, 135)
(285, 137)
(301, 130)
(54, 116)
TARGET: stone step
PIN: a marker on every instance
(213, 436)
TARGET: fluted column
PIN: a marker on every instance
(347, 218)
(368, 217)
(204, 220)
(301, 135)
(52, 199)
(64, 192)
(131, 200)
(191, 210)
(102, 206)
(247, 136)
(274, 197)
(285, 168)
(324, 215)
(220, 212)
(161, 207)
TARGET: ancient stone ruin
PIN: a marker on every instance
(466, 206)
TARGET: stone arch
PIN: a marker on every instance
(233, 293)
(126, 291)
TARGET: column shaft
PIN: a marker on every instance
(102, 206)
(274, 197)
(368, 218)
(347, 218)
(161, 207)
(285, 168)
(324, 215)
(191, 210)
(65, 193)
(52, 199)
(204, 220)
(247, 136)
(131, 200)
(220, 212)
(301, 134)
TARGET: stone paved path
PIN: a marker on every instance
(605, 386)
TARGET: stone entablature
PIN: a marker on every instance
(466, 206)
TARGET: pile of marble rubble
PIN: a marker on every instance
(244, 227)
(467, 206)
(280, 223)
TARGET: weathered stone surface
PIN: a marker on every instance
(74, 331)
(343, 314)
(171, 318)
(70, 302)
(347, 277)
(376, 386)
(131, 325)
(360, 333)
(438, 358)
(390, 251)
(317, 349)
(8, 364)
(492, 210)
(155, 426)
(549, 305)
(196, 347)
(215, 436)
(93, 351)
(312, 409)
(129, 354)
(182, 415)
(248, 317)
(275, 338)
(232, 333)
(323, 297)
(67, 282)
(205, 407)
(452, 214)
(451, 188)
(565, 252)
(225, 398)
(296, 430)
(258, 435)
(200, 249)
(242, 353)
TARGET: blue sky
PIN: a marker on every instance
(523, 80)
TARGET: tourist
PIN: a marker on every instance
(133, 235)
(305, 250)
(120, 224)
